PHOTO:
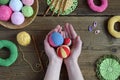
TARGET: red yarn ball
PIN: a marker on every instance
(67, 41)
(63, 51)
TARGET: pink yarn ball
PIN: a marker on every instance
(28, 2)
(55, 39)
(17, 18)
(5, 13)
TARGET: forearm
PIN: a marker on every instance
(74, 71)
(53, 70)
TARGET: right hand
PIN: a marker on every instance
(50, 51)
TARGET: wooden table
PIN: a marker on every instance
(94, 46)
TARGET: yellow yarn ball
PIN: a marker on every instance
(23, 38)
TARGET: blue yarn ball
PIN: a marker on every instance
(56, 39)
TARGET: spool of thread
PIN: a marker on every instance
(63, 51)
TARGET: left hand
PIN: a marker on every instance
(76, 43)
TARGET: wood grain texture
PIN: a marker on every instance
(93, 47)
(83, 8)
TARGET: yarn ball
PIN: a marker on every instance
(17, 18)
(67, 41)
(63, 51)
(4, 1)
(28, 2)
(23, 38)
(27, 11)
(55, 39)
(15, 5)
(5, 13)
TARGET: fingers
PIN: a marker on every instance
(72, 32)
(67, 30)
(79, 42)
(57, 29)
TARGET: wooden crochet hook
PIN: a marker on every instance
(49, 8)
(61, 4)
(56, 3)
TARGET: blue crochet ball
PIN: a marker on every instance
(56, 39)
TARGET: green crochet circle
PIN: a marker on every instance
(108, 68)
(13, 53)
(67, 11)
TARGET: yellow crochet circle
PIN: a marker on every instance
(23, 38)
(111, 24)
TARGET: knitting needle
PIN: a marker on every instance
(60, 7)
(64, 6)
(49, 8)
(56, 3)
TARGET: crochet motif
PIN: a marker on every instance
(70, 6)
(108, 68)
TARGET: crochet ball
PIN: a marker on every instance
(63, 51)
(55, 39)
(27, 11)
(28, 2)
(15, 5)
(67, 41)
(23, 38)
(5, 13)
(17, 18)
(4, 1)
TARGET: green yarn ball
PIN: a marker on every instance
(27, 11)
(4, 1)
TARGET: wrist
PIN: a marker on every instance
(55, 61)
(70, 62)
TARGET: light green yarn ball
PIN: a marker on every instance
(27, 11)
(4, 1)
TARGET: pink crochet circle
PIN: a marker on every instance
(101, 8)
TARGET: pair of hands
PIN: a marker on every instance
(68, 31)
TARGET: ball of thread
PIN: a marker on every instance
(23, 38)
(27, 11)
(15, 5)
(67, 41)
(17, 18)
(5, 13)
(4, 2)
(28, 2)
(55, 39)
(63, 51)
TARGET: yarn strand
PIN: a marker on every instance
(28, 61)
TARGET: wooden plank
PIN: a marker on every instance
(79, 23)
(83, 8)
(94, 46)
